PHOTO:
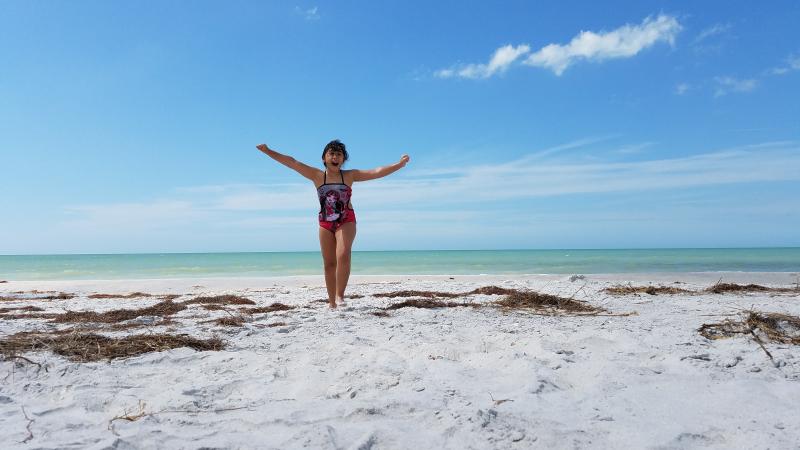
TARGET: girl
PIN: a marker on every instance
(337, 220)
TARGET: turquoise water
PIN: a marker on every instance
(457, 262)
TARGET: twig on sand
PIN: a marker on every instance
(27, 427)
(133, 417)
(572, 297)
(142, 413)
(501, 401)
(761, 344)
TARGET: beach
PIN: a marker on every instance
(452, 367)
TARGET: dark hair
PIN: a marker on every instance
(336, 145)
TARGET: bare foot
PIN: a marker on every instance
(340, 302)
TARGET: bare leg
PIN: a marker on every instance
(345, 236)
(327, 245)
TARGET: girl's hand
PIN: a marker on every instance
(262, 147)
(404, 160)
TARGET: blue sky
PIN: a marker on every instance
(131, 126)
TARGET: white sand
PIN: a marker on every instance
(421, 378)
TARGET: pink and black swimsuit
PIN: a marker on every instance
(334, 204)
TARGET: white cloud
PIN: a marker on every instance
(143, 215)
(726, 85)
(576, 144)
(525, 177)
(309, 14)
(498, 63)
(452, 170)
(445, 73)
(792, 63)
(682, 88)
(623, 42)
(283, 198)
(633, 148)
(283, 216)
(714, 30)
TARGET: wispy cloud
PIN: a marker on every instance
(623, 42)
(791, 64)
(714, 30)
(576, 144)
(632, 149)
(525, 177)
(727, 84)
(309, 13)
(712, 39)
(498, 63)
(450, 205)
(724, 85)
(682, 88)
(455, 170)
(158, 213)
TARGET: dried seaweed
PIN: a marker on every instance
(20, 308)
(165, 308)
(430, 304)
(41, 315)
(537, 300)
(231, 321)
(721, 288)
(85, 347)
(725, 329)
(59, 296)
(425, 294)
(267, 309)
(131, 295)
(623, 289)
(718, 288)
(776, 327)
(491, 290)
(220, 300)
(213, 307)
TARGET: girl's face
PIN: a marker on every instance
(333, 158)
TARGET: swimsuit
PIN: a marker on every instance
(334, 204)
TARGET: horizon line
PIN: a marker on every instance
(412, 250)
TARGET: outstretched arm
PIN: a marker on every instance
(304, 170)
(364, 175)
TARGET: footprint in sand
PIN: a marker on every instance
(543, 386)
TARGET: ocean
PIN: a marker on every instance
(452, 262)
